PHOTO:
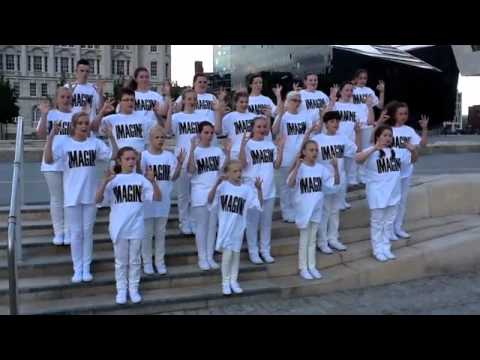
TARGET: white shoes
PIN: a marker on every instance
(337, 245)
(161, 269)
(66, 239)
(121, 298)
(255, 258)
(134, 296)
(185, 229)
(203, 265)
(236, 287)
(380, 257)
(394, 236)
(403, 234)
(77, 277)
(315, 273)
(58, 240)
(213, 265)
(226, 290)
(148, 269)
(325, 249)
(87, 276)
(389, 255)
(268, 258)
(347, 206)
(306, 274)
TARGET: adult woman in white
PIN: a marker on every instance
(292, 126)
(361, 91)
(259, 103)
(313, 100)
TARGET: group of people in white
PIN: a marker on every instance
(228, 167)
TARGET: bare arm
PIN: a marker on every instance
(277, 123)
(424, 125)
(331, 104)
(381, 98)
(292, 176)
(242, 155)
(213, 191)
(192, 168)
(48, 146)
(109, 175)
(180, 160)
(280, 145)
(42, 125)
(106, 108)
(168, 123)
(361, 157)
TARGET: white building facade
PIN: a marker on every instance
(35, 71)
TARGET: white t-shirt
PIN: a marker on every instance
(257, 103)
(350, 113)
(294, 126)
(65, 120)
(335, 147)
(260, 157)
(126, 194)
(309, 186)
(209, 163)
(128, 129)
(401, 136)
(185, 127)
(382, 178)
(78, 160)
(144, 104)
(232, 202)
(204, 105)
(234, 125)
(360, 95)
(163, 166)
(83, 94)
(313, 101)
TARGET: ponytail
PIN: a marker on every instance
(133, 85)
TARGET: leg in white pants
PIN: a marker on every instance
(235, 266)
(253, 221)
(134, 264)
(285, 194)
(377, 224)
(205, 235)
(157, 227)
(227, 257)
(389, 217)
(266, 226)
(351, 168)
(54, 181)
(303, 248)
(183, 196)
(402, 205)
(81, 219)
(311, 248)
(127, 263)
(328, 232)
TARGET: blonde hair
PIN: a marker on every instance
(291, 94)
(229, 164)
(157, 128)
(75, 118)
(59, 90)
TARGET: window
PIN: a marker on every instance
(1, 62)
(73, 65)
(37, 63)
(91, 63)
(98, 66)
(44, 90)
(166, 70)
(64, 65)
(90, 46)
(119, 47)
(82, 46)
(153, 68)
(475, 47)
(29, 63)
(120, 67)
(45, 59)
(10, 62)
(16, 89)
(153, 48)
(128, 67)
(56, 64)
(96, 46)
(166, 49)
(18, 62)
(33, 89)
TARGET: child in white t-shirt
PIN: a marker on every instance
(231, 200)
(126, 192)
(166, 169)
(53, 173)
(78, 155)
(259, 158)
(361, 91)
(382, 176)
(260, 104)
(313, 100)
(204, 164)
(310, 179)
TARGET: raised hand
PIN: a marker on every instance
(222, 94)
(245, 138)
(157, 109)
(317, 126)
(55, 128)
(334, 162)
(383, 117)
(87, 108)
(381, 86)
(258, 183)
(108, 176)
(194, 142)
(277, 90)
(369, 101)
(108, 107)
(227, 145)
(44, 107)
(424, 122)
(357, 127)
(181, 156)
(149, 174)
(296, 86)
(267, 111)
(107, 129)
(167, 88)
(334, 92)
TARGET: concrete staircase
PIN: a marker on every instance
(442, 241)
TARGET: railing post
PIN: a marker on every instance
(18, 229)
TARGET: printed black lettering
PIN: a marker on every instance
(400, 141)
(314, 103)
(310, 184)
(233, 204)
(330, 152)
(81, 158)
(296, 128)
(262, 156)
(161, 172)
(127, 193)
(360, 98)
(388, 165)
(346, 115)
(128, 131)
(204, 105)
(187, 128)
(80, 100)
(243, 125)
(211, 163)
(144, 104)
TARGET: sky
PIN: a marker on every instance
(184, 57)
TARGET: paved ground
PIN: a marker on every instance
(457, 294)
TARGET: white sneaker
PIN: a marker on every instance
(58, 240)
(135, 296)
(255, 258)
(77, 277)
(185, 230)
(347, 206)
(306, 274)
(66, 239)
(268, 258)
(226, 290)
(87, 276)
(315, 273)
(192, 228)
(148, 269)
(325, 249)
(236, 287)
(203, 265)
(403, 234)
(337, 245)
(213, 264)
(121, 298)
(161, 269)
(389, 255)
(394, 237)
(380, 257)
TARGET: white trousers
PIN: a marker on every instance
(306, 247)
(54, 181)
(260, 220)
(127, 263)
(80, 220)
(328, 232)
(351, 168)
(286, 194)
(402, 205)
(381, 226)
(230, 266)
(206, 231)
(183, 198)
(157, 227)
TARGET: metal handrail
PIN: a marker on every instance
(15, 219)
